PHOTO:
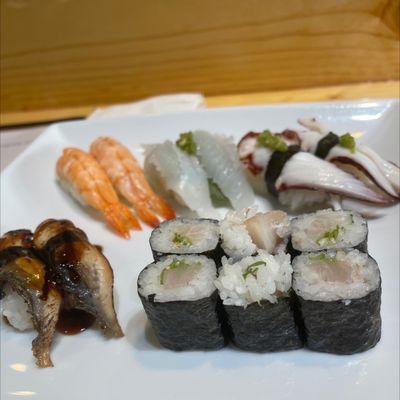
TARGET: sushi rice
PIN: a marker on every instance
(185, 235)
(192, 281)
(327, 229)
(254, 278)
(335, 275)
(15, 310)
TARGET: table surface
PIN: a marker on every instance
(388, 89)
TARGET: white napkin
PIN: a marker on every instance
(14, 141)
(153, 105)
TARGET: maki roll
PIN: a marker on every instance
(180, 300)
(258, 302)
(328, 229)
(186, 236)
(339, 296)
(245, 232)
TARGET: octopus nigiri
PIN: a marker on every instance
(30, 300)
(296, 177)
(129, 181)
(84, 178)
(81, 270)
(357, 159)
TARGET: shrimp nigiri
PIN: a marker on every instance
(129, 181)
(84, 178)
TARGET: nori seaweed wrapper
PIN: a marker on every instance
(334, 327)
(275, 166)
(264, 326)
(186, 325)
(215, 254)
(325, 144)
(362, 246)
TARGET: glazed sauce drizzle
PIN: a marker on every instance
(71, 322)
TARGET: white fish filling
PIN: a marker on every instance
(184, 235)
(15, 309)
(244, 232)
(256, 278)
(327, 229)
(180, 174)
(178, 278)
(334, 275)
(218, 156)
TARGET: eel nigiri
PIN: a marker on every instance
(81, 175)
(299, 178)
(129, 181)
(30, 300)
(357, 159)
(81, 270)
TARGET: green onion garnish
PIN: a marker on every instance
(186, 143)
(347, 141)
(217, 197)
(174, 265)
(252, 269)
(181, 239)
(329, 236)
(273, 142)
(322, 257)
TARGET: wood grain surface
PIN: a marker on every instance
(74, 55)
(375, 90)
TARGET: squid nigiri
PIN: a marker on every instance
(30, 301)
(129, 181)
(298, 178)
(174, 171)
(81, 175)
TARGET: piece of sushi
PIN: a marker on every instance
(29, 300)
(339, 297)
(217, 155)
(81, 270)
(328, 229)
(174, 172)
(298, 179)
(180, 300)
(245, 232)
(258, 302)
(187, 236)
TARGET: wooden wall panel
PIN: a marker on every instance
(77, 53)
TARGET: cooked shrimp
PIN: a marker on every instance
(129, 181)
(83, 177)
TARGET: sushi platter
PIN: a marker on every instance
(232, 253)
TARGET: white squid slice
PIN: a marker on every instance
(305, 171)
(217, 155)
(181, 174)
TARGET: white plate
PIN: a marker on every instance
(87, 366)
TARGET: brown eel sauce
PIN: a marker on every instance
(71, 322)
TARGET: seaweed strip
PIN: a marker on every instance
(275, 166)
(325, 145)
